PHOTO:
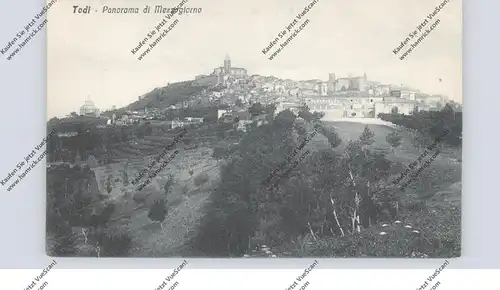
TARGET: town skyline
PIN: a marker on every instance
(133, 99)
(103, 67)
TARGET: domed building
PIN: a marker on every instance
(89, 109)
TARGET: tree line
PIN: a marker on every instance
(431, 124)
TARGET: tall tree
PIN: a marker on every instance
(109, 184)
(168, 185)
(365, 174)
(125, 178)
(394, 139)
(305, 113)
(367, 137)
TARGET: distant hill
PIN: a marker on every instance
(158, 98)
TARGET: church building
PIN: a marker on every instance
(228, 70)
(221, 74)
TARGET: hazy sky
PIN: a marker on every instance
(89, 55)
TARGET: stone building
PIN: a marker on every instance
(346, 84)
(294, 107)
(398, 106)
(228, 70)
(221, 75)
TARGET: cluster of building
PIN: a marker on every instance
(180, 123)
(345, 97)
(356, 97)
(126, 118)
(241, 118)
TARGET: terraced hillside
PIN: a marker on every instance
(184, 202)
(166, 96)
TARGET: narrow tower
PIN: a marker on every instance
(227, 65)
(331, 84)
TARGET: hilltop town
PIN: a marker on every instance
(234, 90)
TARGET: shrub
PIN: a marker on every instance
(201, 179)
(367, 137)
(140, 198)
(158, 211)
(394, 139)
(109, 186)
(116, 245)
(439, 236)
(61, 245)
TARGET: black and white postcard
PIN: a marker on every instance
(244, 129)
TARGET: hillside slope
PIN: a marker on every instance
(166, 96)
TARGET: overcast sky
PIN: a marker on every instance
(89, 55)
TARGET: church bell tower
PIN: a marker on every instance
(227, 65)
